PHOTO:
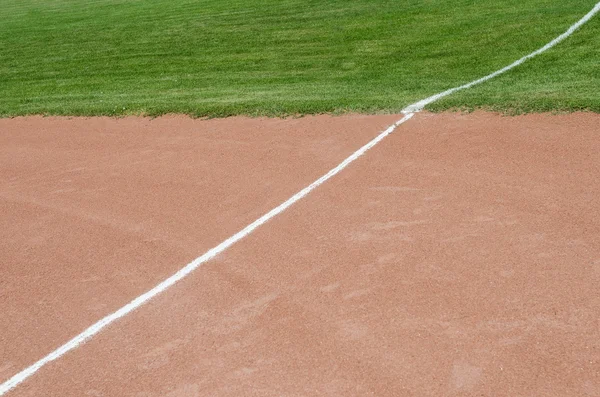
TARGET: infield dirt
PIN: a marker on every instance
(461, 256)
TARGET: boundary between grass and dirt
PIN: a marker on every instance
(408, 112)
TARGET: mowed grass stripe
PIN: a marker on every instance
(257, 57)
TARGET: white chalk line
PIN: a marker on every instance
(140, 300)
(415, 107)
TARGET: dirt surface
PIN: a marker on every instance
(461, 256)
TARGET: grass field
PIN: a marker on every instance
(259, 57)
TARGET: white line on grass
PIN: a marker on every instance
(140, 300)
(415, 107)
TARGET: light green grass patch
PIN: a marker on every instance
(266, 57)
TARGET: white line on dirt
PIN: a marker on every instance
(190, 267)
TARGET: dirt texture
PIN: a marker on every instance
(461, 256)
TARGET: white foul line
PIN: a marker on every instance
(190, 267)
(415, 107)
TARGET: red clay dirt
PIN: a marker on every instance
(461, 256)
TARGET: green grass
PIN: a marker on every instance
(268, 57)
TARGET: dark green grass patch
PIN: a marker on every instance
(266, 57)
